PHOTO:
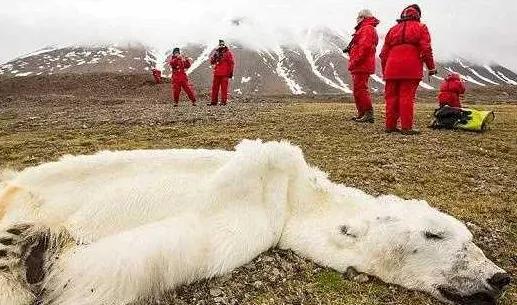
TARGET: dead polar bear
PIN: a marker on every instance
(129, 224)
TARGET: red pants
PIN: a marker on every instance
(184, 84)
(220, 83)
(400, 99)
(362, 98)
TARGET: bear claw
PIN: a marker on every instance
(18, 229)
(7, 241)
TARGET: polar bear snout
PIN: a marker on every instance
(479, 286)
(488, 296)
(500, 281)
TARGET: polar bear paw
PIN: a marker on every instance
(22, 252)
(12, 246)
(18, 264)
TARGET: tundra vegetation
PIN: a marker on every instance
(470, 176)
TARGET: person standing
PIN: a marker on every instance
(362, 50)
(223, 63)
(451, 90)
(179, 80)
(406, 48)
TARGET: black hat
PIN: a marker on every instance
(415, 7)
(221, 41)
(176, 50)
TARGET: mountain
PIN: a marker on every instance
(315, 65)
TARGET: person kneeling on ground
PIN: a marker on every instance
(451, 90)
(179, 80)
(406, 48)
(361, 64)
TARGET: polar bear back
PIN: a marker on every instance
(96, 195)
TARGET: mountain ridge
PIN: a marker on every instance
(315, 65)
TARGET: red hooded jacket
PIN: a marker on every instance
(406, 48)
(223, 61)
(450, 90)
(364, 47)
(179, 65)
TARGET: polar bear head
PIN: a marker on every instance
(408, 243)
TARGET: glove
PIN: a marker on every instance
(432, 72)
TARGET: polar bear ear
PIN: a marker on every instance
(347, 234)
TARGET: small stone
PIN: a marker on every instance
(215, 292)
(258, 284)
(362, 278)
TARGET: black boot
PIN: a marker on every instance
(367, 118)
(410, 132)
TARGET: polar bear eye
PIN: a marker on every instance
(434, 236)
(345, 230)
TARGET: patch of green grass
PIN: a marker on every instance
(330, 281)
(471, 176)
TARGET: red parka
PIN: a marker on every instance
(179, 66)
(450, 91)
(406, 48)
(364, 47)
(223, 61)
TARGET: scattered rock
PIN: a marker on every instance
(215, 292)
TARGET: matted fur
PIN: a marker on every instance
(129, 224)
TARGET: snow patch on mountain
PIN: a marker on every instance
(426, 86)
(507, 79)
(200, 60)
(466, 77)
(482, 77)
(282, 72)
(38, 52)
(156, 58)
(312, 63)
(378, 79)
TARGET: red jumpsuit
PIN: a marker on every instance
(362, 62)
(450, 91)
(406, 48)
(180, 80)
(157, 75)
(223, 62)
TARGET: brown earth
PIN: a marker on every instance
(471, 176)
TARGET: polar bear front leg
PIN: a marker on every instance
(121, 268)
(151, 259)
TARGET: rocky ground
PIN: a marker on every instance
(471, 176)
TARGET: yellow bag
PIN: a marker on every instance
(478, 120)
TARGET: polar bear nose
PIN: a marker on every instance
(500, 280)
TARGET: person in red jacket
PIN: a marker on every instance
(179, 65)
(157, 75)
(361, 64)
(406, 48)
(222, 61)
(450, 91)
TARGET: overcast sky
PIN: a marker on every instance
(478, 29)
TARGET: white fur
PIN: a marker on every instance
(142, 222)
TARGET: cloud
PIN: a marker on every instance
(478, 29)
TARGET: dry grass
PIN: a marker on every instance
(471, 176)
